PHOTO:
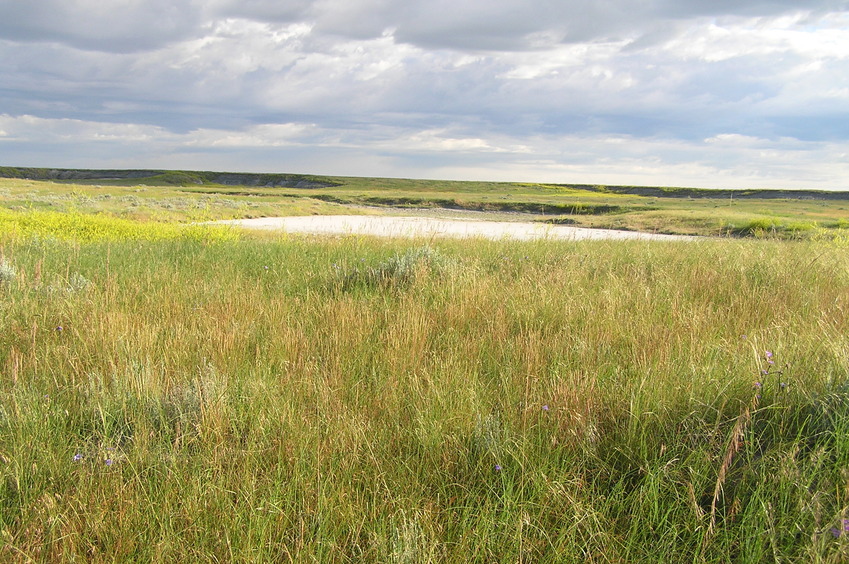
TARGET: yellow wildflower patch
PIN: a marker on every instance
(81, 227)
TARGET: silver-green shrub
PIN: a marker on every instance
(8, 272)
(397, 271)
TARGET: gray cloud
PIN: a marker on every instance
(114, 27)
(261, 10)
(503, 85)
(473, 24)
(518, 24)
(693, 8)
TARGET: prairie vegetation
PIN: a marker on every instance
(174, 392)
(213, 396)
(185, 195)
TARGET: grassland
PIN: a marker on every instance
(172, 394)
(181, 195)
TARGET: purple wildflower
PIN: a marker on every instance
(498, 468)
(835, 532)
(758, 385)
(109, 462)
(58, 328)
(545, 407)
(78, 457)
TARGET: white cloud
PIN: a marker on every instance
(58, 131)
(265, 135)
(735, 37)
(732, 139)
(707, 91)
(29, 128)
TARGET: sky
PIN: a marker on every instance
(701, 93)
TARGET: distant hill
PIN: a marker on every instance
(304, 181)
(169, 177)
(760, 194)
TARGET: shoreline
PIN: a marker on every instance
(412, 226)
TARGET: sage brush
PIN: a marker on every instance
(8, 272)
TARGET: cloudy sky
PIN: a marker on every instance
(711, 93)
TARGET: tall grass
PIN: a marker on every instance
(224, 400)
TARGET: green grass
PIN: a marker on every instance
(211, 399)
(197, 196)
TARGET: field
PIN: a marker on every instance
(176, 393)
(181, 195)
